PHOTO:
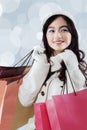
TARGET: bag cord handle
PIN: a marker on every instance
(71, 83)
(25, 60)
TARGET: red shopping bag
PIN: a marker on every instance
(69, 111)
(41, 117)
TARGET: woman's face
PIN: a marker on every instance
(58, 35)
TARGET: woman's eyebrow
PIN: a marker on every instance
(59, 27)
(64, 26)
(50, 27)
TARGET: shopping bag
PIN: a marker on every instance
(10, 80)
(9, 105)
(52, 115)
(21, 116)
(69, 111)
(14, 115)
(41, 117)
(3, 87)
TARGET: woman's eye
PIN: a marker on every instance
(64, 30)
(51, 31)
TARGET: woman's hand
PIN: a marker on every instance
(69, 59)
(39, 54)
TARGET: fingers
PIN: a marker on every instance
(39, 49)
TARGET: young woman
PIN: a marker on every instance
(57, 64)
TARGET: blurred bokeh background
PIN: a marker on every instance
(21, 25)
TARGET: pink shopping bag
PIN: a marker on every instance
(52, 115)
(69, 111)
(41, 117)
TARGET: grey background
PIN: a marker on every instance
(20, 25)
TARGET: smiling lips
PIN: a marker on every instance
(58, 42)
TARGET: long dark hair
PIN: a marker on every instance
(74, 46)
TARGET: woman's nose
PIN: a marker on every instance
(57, 34)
